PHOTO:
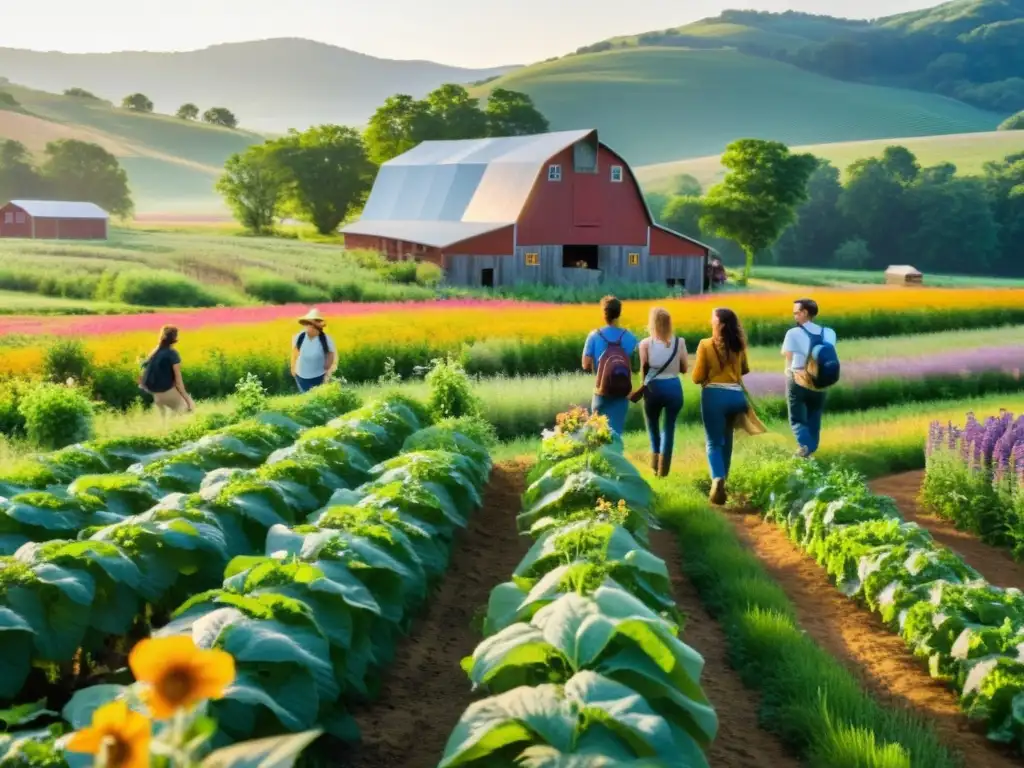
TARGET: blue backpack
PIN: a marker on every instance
(822, 361)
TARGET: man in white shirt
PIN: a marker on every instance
(313, 353)
(806, 404)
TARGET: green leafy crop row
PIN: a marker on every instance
(966, 629)
(312, 620)
(582, 662)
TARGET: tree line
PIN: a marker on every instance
(69, 169)
(884, 210)
(139, 102)
(323, 175)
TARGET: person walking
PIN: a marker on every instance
(721, 363)
(662, 360)
(161, 375)
(806, 401)
(313, 353)
(611, 350)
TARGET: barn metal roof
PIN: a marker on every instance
(483, 182)
(54, 209)
(434, 234)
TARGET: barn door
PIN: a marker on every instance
(587, 199)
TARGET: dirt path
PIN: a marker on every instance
(425, 692)
(740, 743)
(877, 656)
(994, 563)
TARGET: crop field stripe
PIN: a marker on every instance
(878, 658)
(996, 564)
(737, 745)
(810, 699)
(425, 692)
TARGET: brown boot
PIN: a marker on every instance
(665, 465)
(717, 496)
(655, 462)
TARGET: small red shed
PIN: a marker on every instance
(53, 220)
(557, 208)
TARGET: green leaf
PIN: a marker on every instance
(273, 752)
(25, 713)
(80, 708)
(16, 642)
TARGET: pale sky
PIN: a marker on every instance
(457, 32)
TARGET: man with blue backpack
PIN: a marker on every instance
(812, 366)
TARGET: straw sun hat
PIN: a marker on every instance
(313, 317)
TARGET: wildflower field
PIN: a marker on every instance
(489, 338)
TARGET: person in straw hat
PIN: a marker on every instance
(313, 352)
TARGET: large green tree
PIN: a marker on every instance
(329, 173)
(448, 112)
(512, 113)
(397, 126)
(220, 116)
(819, 228)
(82, 171)
(254, 185)
(877, 207)
(1004, 184)
(755, 202)
(137, 102)
(19, 178)
(187, 111)
(954, 227)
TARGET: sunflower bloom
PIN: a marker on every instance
(118, 734)
(179, 674)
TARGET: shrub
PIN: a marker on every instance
(401, 272)
(7, 101)
(56, 415)
(159, 289)
(451, 394)
(12, 423)
(67, 359)
(1013, 123)
(251, 396)
(278, 290)
(429, 274)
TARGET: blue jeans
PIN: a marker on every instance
(663, 396)
(805, 411)
(305, 385)
(615, 409)
(718, 408)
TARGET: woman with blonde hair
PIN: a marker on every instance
(662, 360)
(161, 375)
(719, 370)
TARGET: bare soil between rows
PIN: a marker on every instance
(740, 742)
(425, 692)
(996, 564)
(877, 656)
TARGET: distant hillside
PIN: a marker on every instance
(971, 50)
(968, 152)
(172, 164)
(271, 85)
(659, 104)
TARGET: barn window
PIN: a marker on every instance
(533, 259)
(8, 217)
(616, 173)
(554, 172)
(19, 218)
(634, 259)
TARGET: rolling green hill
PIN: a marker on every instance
(172, 164)
(659, 104)
(968, 152)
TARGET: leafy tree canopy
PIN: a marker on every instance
(220, 116)
(81, 171)
(254, 184)
(137, 102)
(187, 111)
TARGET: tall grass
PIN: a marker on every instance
(808, 698)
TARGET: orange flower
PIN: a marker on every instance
(117, 734)
(180, 675)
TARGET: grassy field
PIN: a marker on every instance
(968, 151)
(844, 277)
(660, 104)
(172, 164)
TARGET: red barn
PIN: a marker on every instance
(555, 208)
(53, 220)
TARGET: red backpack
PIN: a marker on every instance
(614, 370)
